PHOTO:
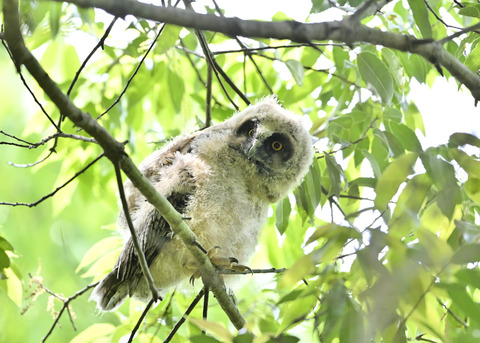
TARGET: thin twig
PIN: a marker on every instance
(473, 28)
(274, 47)
(140, 253)
(253, 271)
(29, 145)
(184, 317)
(208, 100)
(450, 312)
(66, 303)
(100, 43)
(205, 305)
(144, 313)
(130, 79)
(440, 18)
(159, 319)
(56, 189)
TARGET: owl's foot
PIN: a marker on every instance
(221, 263)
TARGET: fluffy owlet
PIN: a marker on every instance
(222, 179)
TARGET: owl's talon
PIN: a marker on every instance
(221, 263)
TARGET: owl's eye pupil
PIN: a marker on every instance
(250, 132)
(277, 146)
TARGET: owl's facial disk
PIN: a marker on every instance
(270, 151)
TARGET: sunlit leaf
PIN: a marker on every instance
(282, 214)
(297, 70)
(335, 173)
(94, 332)
(420, 14)
(217, 329)
(375, 73)
(395, 174)
(14, 287)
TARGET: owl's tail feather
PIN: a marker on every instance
(110, 293)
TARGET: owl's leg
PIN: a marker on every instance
(221, 263)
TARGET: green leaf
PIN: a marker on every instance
(335, 173)
(4, 245)
(282, 214)
(470, 10)
(473, 59)
(467, 253)
(470, 165)
(420, 14)
(297, 70)
(176, 89)
(409, 203)
(472, 188)
(14, 287)
(405, 135)
(94, 332)
(375, 73)
(168, 38)
(54, 17)
(99, 250)
(4, 260)
(461, 139)
(393, 176)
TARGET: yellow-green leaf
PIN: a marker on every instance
(393, 176)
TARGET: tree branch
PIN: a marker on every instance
(114, 150)
(66, 303)
(348, 31)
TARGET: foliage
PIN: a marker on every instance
(380, 242)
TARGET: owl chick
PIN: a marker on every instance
(222, 179)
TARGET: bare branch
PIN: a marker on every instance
(139, 322)
(66, 303)
(347, 31)
(29, 145)
(253, 271)
(184, 317)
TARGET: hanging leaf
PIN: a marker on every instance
(297, 70)
(395, 174)
(420, 14)
(375, 73)
(282, 214)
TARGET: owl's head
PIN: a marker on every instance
(276, 144)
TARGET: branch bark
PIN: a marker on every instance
(349, 30)
(114, 150)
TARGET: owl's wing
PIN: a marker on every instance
(153, 232)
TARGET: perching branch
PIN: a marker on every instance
(347, 30)
(114, 150)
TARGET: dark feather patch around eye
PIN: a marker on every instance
(247, 128)
(280, 144)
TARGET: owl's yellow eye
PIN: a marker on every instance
(277, 146)
(250, 132)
